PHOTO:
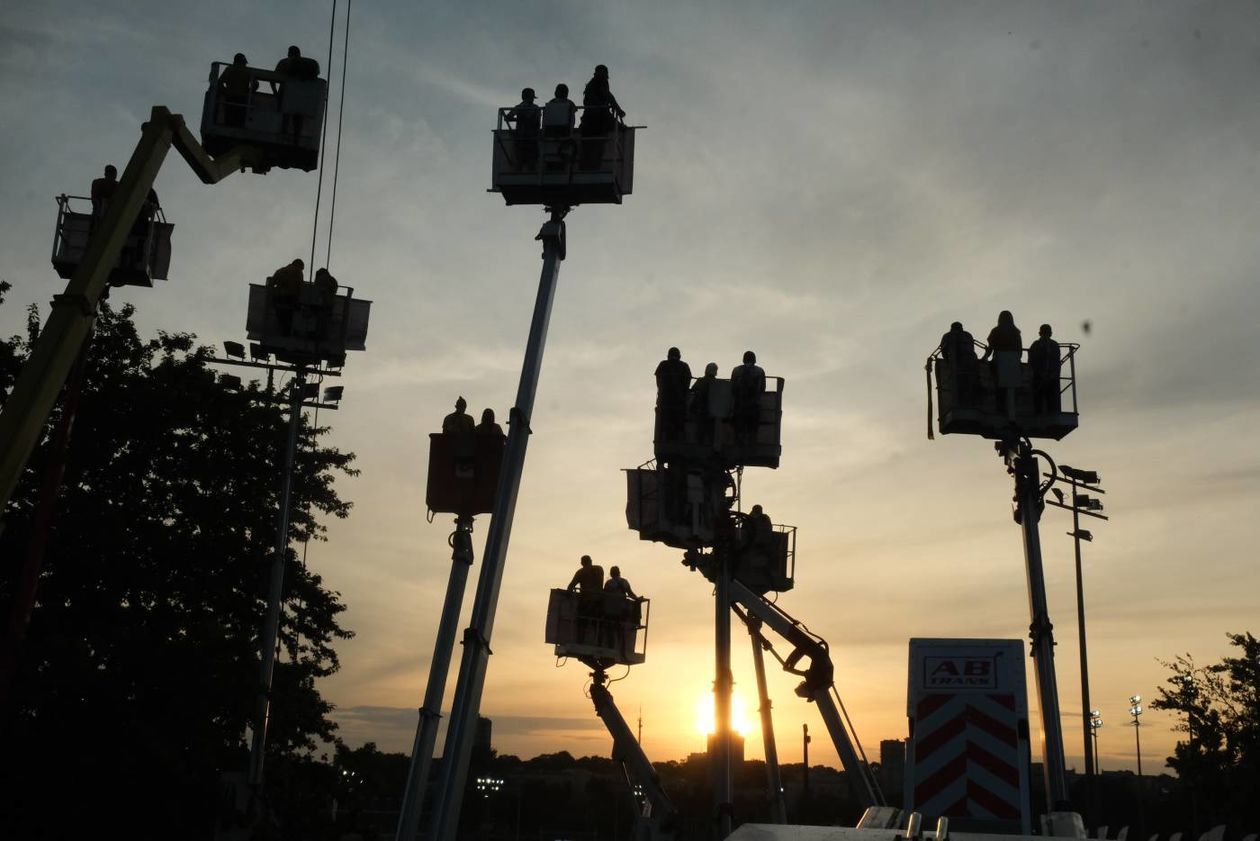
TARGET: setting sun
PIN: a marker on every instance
(740, 720)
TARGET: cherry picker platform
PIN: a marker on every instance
(93, 269)
(603, 633)
(555, 167)
(969, 401)
(144, 257)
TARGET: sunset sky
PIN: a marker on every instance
(828, 184)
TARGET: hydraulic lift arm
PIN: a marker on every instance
(817, 686)
(657, 818)
(74, 311)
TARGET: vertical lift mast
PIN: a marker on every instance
(1034, 405)
(526, 169)
(686, 499)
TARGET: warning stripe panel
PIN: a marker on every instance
(946, 774)
(992, 726)
(929, 704)
(1007, 701)
(987, 800)
(943, 735)
(1000, 769)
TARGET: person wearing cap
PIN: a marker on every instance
(525, 119)
(458, 422)
(236, 84)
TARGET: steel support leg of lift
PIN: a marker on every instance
(774, 782)
(439, 666)
(720, 758)
(457, 751)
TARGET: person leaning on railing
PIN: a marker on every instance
(600, 112)
(236, 84)
(958, 349)
(525, 118)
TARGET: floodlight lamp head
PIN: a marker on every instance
(1058, 494)
(256, 352)
(1085, 535)
(234, 350)
(1134, 699)
(1087, 477)
(230, 382)
(332, 394)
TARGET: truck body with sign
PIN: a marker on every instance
(968, 756)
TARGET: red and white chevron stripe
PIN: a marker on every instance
(966, 756)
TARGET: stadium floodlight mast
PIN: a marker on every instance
(1135, 710)
(1095, 724)
(301, 395)
(1081, 504)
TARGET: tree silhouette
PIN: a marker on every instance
(139, 671)
(1219, 761)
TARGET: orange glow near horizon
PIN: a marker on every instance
(704, 718)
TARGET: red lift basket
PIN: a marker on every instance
(463, 473)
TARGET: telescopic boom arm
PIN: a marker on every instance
(817, 686)
(74, 311)
(658, 816)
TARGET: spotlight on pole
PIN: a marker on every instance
(1082, 534)
(332, 394)
(1087, 477)
(230, 382)
(234, 350)
(1086, 502)
(256, 352)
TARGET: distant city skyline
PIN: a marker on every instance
(828, 185)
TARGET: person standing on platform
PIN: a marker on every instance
(525, 118)
(1005, 345)
(458, 422)
(488, 425)
(285, 286)
(600, 112)
(236, 85)
(699, 406)
(588, 583)
(1046, 362)
(958, 349)
(748, 383)
(103, 190)
(673, 379)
